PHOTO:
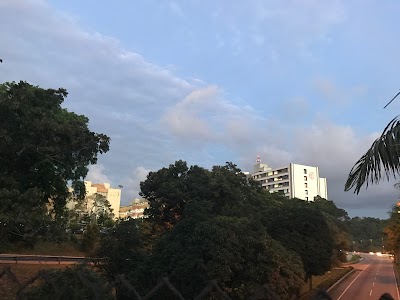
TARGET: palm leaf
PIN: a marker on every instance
(397, 186)
(381, 161)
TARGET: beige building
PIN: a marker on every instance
(113, 195)
(135, 210)
(294, 181)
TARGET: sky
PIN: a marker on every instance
(208, 82)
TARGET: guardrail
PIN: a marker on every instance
(6, 258)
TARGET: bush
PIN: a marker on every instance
(90, 237)
(78, 282)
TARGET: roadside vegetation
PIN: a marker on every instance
(201, 224)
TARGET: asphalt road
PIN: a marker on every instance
(373, 276)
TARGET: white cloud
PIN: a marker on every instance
(154, 116)
(132, 184)
(285, 27)
(335, 94)
(97, 174)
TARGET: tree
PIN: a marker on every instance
(367, 233)
(22, 217)
(337, 220)
(43, 146)
(381, 161)
(237, 252)
(169, 189)
(230, 191)
(94, 208)
(302, 228)
(121, 252)
(122, 248)
(392, 231)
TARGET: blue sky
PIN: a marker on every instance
(214, 81)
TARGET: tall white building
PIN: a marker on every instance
(294, 181)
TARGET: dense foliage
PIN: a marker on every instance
(71, 283)
(392, 233)
(43, 147)
(220, 224)
(367, 234)
(302, 228)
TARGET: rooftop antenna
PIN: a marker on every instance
(258, 159)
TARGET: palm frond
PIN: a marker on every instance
(392, 100)
(397, 186)
(381, 161)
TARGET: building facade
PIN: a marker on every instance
(135, 210)
(294, 180)
(113, 195)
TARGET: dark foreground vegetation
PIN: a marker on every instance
(201, 225)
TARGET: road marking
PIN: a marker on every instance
(397, 285)
(352, 283)
(370, 293)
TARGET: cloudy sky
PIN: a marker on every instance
(301, 81)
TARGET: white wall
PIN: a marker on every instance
(305, 181)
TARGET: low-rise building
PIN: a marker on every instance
(135, 210)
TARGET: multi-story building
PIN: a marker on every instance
(113, 195)
(135, 210)
(294, 180)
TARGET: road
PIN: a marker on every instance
(373, 276)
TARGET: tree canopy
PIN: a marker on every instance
(220, 224)
(43, 148)
(236, 251)
(302, 228)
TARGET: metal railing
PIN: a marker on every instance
(15, 258)
(211, 287)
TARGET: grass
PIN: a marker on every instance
(23, 272)
(324, 281)
(47, 248)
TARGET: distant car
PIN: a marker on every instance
(379, 253)
(371, 253)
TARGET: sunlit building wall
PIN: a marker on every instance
(293, 181)
(135, 210)
(113, 196)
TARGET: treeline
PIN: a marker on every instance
(219, 224)
(367, 234)
(201, 225)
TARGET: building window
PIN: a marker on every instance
(306, 191)
(306, 198)
(305, 178)
(306, 185)
(305, 171)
